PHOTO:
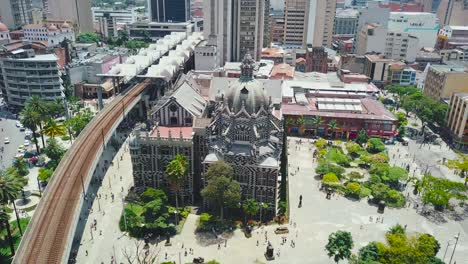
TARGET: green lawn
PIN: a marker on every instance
(4, 243)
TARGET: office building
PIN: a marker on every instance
(457, 118)
(108, 21)
(169, 10)
(346, 22)
(77, 11)
(359, 3)
(277, 28)
(266, 24)
(309, 22)
(454, 54)
(15, 13)
(376, 68)
(453, 12)
(444, 80)
(424, 26)
(453, 37)
(371, 38)
(157, 30)
(370, 17)
(26, 74)
(401, 46)
(399, 73)
(206, 56)
(237, 26)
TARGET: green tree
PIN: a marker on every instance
(31, 119)
(375, 145)
(396, 230)
(333, 126)
(54, 129)
(5, 220)
(54, 150)
(219, 168)
(339, 245)
(39, 106)
(88, 37)
(45, 174)
(153, 210)
(250, 207)
(380, 191)
(362, 137)
(402, 119)
(10, 186)
(20, 166)
(320, 143)
(151, 194)
(369, 253)
(176, 172)
(222, 192)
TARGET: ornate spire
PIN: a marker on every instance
(247, 67)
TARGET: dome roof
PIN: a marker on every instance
(52, 28)
(246, 91)
(65, 25)
(3, 27)
(249, 94)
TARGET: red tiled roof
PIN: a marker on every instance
(175, 132)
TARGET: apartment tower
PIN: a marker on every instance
(309, 22)
(77, 10)
(235, 27)
(15, 13)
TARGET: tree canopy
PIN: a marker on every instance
(222, 192)
(339, 245)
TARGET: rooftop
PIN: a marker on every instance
(173, 132)
(43, 57)
(348, 12)
(367, 108)
(455, 67)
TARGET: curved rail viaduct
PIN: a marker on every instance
(49, 235)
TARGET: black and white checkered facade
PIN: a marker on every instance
(246, 134)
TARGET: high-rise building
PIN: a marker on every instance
(77, 11)
(267, 25)
(457, 118)
(26, 74)
(346, 21)
(444, 80)
(309, 22)
(453, 12)
(237, 27)
(424, 26)
(169, 10)
(15, 13)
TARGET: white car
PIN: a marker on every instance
(6, 140)
(18, 124)
(27, 133)
(26, 143)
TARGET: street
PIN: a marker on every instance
(8, 129)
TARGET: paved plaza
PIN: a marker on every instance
(309, 225)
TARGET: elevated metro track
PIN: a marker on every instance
(49, 236)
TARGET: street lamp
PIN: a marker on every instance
(39, 187)
(456, 242)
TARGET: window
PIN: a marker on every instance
(173, 121)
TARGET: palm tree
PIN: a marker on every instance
(316, 122)
(176, 171)
(30, 119)
(54, 129)
(333, 126)
(10, 186)
(40, 106)
(5, 220)
(301, 122)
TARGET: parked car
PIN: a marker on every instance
(18, 123)
(6, 141)
(404, 141)
(26, 143)
(281, 230)
(27, 134)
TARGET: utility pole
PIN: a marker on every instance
(456, 242)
